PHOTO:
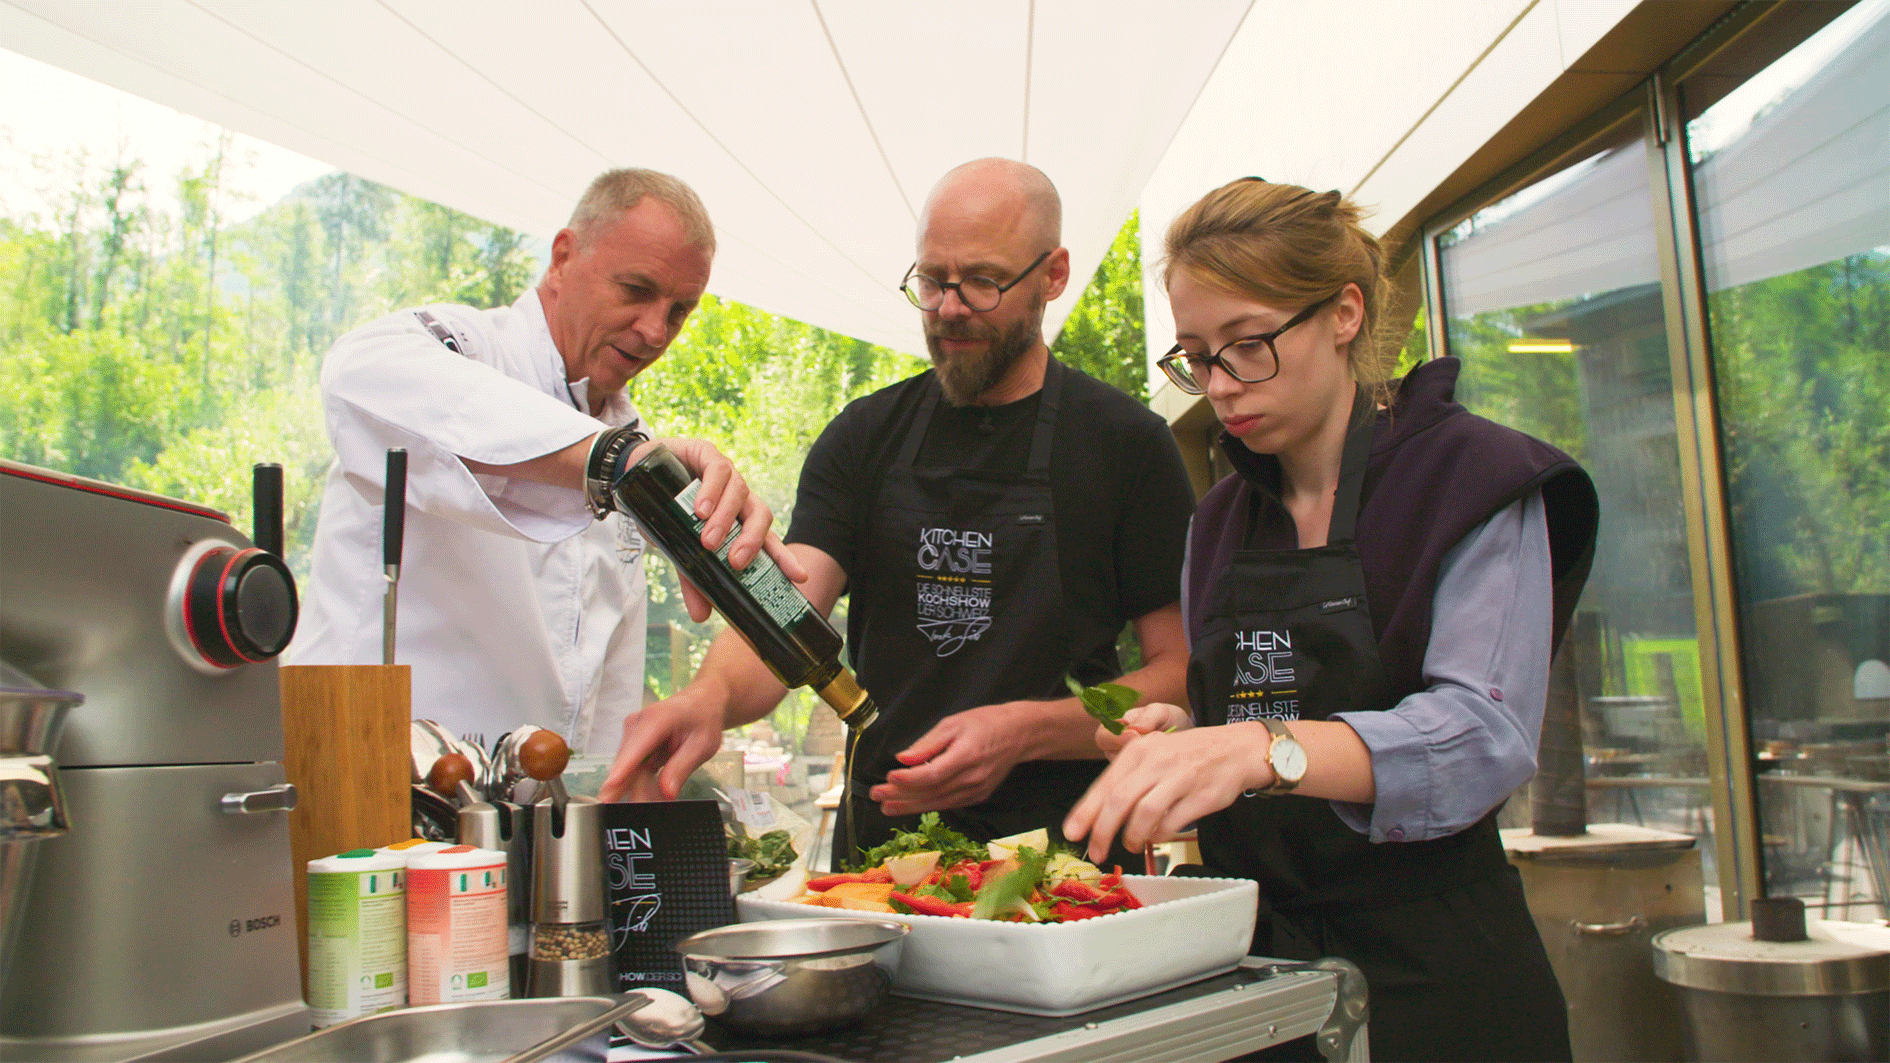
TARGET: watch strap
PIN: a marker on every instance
(1280, 733)
(605, 465)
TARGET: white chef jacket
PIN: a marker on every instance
(515, 606)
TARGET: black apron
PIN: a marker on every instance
(964, 606)
(1452, 959)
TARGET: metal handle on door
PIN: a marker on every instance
(1577, 928)
(280, 798)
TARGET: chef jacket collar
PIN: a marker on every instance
(617, 409)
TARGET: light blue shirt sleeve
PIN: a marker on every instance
(1443, 757)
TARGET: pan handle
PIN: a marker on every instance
(1577, 928)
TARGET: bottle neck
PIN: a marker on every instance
(853, 705)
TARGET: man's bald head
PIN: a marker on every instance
(1014, 194)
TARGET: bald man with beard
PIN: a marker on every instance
(995, 522)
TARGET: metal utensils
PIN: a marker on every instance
(512, 782)
(393, 530)
(31, 808)
(668, 1020)
(428, 742)
(792, 976)
(486, 1031)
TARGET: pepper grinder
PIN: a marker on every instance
(502, 825)
(570, 939)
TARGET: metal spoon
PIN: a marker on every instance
(668, 1021)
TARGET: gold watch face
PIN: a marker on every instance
(1288, 758)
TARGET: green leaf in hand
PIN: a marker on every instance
(1105, 701)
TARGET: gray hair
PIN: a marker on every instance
(616, 191)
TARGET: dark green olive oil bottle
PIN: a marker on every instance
(785, 630)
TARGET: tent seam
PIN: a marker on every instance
(860, 105)
(1432, 109)
(726, 150)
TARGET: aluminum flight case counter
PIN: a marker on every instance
(1261, 1003)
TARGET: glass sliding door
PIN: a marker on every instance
(1791, 183)
(1552, 300)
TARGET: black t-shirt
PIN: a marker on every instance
(1122, 494)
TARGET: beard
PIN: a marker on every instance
(964, 377)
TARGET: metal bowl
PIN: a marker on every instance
(790, 977)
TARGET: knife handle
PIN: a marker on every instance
(394, 513)
(266, 489)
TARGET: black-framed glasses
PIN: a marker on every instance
(1249, 359)
(977, 293)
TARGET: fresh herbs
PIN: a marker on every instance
(1105, 701)
(772, 853)
(932, 836)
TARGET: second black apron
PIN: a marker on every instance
(1453, 962)
(960, 577)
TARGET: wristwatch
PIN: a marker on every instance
(605, 464)
(1287, 757)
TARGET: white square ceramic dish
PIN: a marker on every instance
(1191, 928)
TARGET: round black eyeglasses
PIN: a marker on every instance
(1250, 359)
(977, 293)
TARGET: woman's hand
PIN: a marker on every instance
(1153, 718)
(1160, 783)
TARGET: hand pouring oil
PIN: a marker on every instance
(763, 605)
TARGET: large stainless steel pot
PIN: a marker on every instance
(1825, 996)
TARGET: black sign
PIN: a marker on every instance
(665, 877)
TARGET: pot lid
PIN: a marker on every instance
(1836, 959)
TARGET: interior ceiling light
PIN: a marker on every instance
(1527, 346)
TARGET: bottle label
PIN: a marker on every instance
(772, 590)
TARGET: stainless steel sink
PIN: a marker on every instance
(552, 1029)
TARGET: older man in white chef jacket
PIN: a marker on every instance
(522, 599)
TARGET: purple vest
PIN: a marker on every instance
(1436, 472)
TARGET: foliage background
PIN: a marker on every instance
(147, 341)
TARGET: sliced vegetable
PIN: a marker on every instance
(1004, 891)
(1038, 839)
(911, 870)
(826, 882)
(920, 904)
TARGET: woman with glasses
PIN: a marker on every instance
(1371, 601)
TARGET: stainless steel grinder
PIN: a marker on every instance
(165, 916)
(570, 936)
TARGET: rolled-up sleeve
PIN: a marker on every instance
(1443, 757)
(391, 384)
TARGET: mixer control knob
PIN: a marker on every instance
(239, 606)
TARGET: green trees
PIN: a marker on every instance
(146, 340)
(1103, 334)
(1803, 364)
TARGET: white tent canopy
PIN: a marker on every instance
(814, 129)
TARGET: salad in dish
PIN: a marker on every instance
(937, 871)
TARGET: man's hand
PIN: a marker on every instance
(1153, 718)
(957, 763)
(1159, 783)
(663, 743)
(723, 499)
